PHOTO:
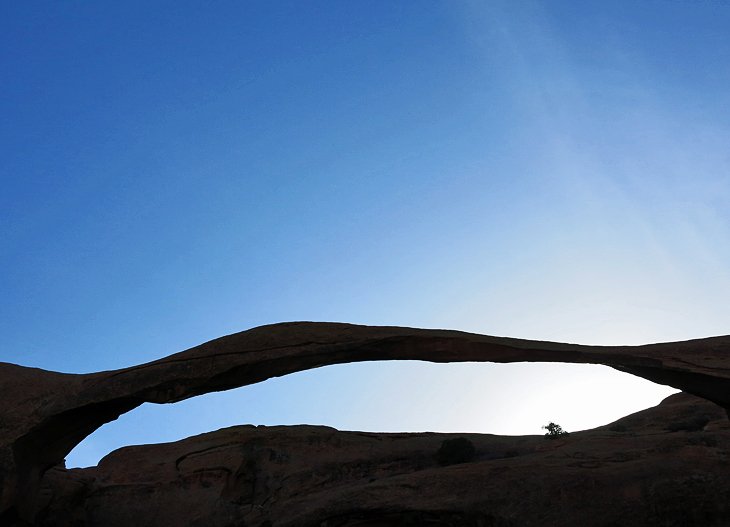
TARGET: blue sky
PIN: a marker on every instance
(173, 172)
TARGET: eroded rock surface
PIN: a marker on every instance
(45, 414)
(666, 466)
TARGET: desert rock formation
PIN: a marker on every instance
(666, 466)
(45, 414)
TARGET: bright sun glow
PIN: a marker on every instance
(402, 396)
(544, 170)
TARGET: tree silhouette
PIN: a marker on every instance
(554, 430)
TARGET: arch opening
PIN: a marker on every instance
(700, 367)
(394, 396)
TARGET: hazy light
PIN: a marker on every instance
(547, 170)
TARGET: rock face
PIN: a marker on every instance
(664, 466)
(45, 414)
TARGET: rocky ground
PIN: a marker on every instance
(665, 466)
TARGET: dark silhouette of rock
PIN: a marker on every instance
(309, 476)
(45, 414)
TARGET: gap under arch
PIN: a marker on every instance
(395, 396)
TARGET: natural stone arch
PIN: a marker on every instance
(46, 414)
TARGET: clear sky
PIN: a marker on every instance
(177, 171)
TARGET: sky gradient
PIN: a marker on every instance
(173, 172)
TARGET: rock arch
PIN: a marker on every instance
(46, 414)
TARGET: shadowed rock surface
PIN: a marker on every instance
(634, 472)
(45, 414)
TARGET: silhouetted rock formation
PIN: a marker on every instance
(309, 476)
(45, 414)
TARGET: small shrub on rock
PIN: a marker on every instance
(554, 431)
(456, 450)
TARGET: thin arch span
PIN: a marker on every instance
(46, 414)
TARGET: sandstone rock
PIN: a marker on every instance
(45, 414)
(307, 476)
